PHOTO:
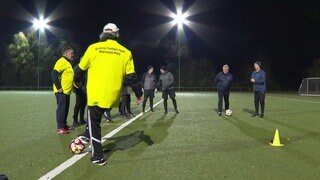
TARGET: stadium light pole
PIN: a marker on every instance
(40, 25)
(179, 19)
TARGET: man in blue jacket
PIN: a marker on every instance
(258, 78)
(223, 80)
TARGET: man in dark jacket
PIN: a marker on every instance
(223, 80)
(149, 85)
(166, 81)
(258, 78)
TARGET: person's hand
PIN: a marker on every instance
(252, 80)
(60, 90)
(139, 100)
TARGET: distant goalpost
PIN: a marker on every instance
(310, 87)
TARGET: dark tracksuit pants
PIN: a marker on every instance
(63, 102)
(223, 94)
(172, 95)
(80, 106)
(125, 104)
(94, 120)
(259, 98)
(148, 93)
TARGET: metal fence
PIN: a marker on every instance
(184, 89)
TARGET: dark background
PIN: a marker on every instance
(283, 34)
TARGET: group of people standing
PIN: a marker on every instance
(224, 80)
(105, 73)
(109, 70)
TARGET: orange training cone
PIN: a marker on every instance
(276, 140)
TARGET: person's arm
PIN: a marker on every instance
(131, 79)
(143, 79)
(216, 80)
(55, 79)
(261, 79)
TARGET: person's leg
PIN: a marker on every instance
(94, 120)
(60, 113)
(226, 99)
(76, 109)
(165, 101)
(129, 106)
(220, 96)
(151, 96)
(172, 95)
(256, 104)
(82, 108)
(262, 97)
(67, 111)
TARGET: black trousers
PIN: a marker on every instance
(148, 93)
(63, 102)
(172, 94)
(259, 99)
(223, 95)
(94, 120)
(125, 104)
(80, 106)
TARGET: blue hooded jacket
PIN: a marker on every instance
(260, 81)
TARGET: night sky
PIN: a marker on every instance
(285, 34)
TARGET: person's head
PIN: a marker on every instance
(163, 69)
(110, 31)
(150, 69)
(257, 65)
(67, 52)
(225, 69)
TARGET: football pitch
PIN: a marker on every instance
(195, 144)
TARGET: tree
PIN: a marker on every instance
(21, 59)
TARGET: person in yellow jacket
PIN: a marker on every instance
(108, 65)
(62, 78)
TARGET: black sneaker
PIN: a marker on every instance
(261, 115)
(254, 115)
(131, 115)
(219, 113)
(84, 139)
(177, 111)
(82, 122)
(75, 123)
(165, 112)
(99, 162)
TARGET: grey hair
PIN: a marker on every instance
(225, 66)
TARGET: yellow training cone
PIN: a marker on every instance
(276, 140)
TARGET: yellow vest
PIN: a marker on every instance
(107, 64)
(65, 70)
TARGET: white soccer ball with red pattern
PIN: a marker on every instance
(76, 146)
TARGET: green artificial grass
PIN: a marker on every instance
(195, 144)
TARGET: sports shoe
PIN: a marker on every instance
(99, 162)
(84, 139)
(261, 115)
(109, 121)
(75, 123)
(131, 115)
(165, 112)
(177, 111)
(62, 131)
(82, 122)
(219, 113)
(70, 128)
(254, 115)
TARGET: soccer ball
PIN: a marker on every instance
(76, 146)
(228, 112)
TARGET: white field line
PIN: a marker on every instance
(296, 100)
(56, 171)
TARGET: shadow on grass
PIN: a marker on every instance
(256, 133)
(160, 128)
(249, 111)
(260, 135)
(126, 142)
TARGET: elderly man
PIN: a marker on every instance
(108, 65)
(258, 79)
(223, 80)
(62, 78)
